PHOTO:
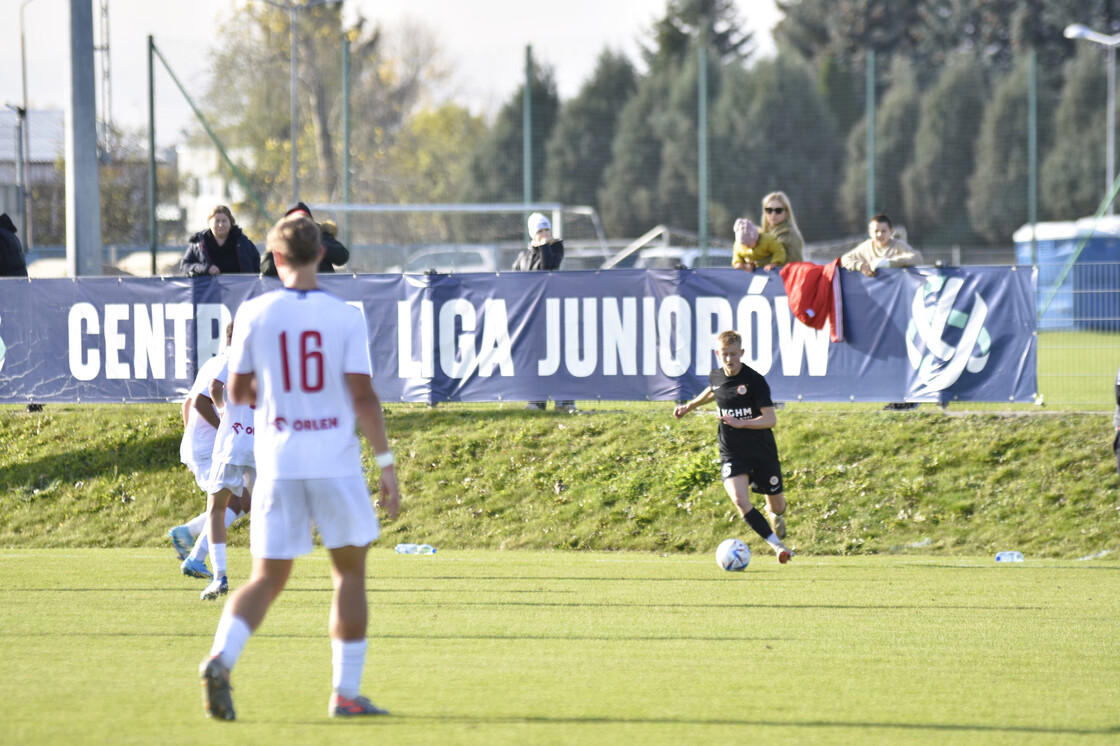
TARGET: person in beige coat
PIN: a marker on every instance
(882, 249)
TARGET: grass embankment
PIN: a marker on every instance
(613, 477)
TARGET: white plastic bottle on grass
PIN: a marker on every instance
(415, 549)
(1009, 556)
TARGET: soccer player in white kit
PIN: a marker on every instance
(201, 419)
(232, 473)
(301, 357)
(200, 427)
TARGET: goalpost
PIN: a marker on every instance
(383, 236)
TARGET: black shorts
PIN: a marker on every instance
(765, 476)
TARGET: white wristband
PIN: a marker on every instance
(383, 460)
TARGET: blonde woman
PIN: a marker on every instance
(778, 221)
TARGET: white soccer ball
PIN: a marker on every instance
(733, 555)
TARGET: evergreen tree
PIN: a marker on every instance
(580, 147)
(1073, 179)
(676, 125)
(652, 175)
(629, 200)
(998, 189)
(895, 123)
(685, 21)
(772, 131)
(837, 85)
(934, 185)
(496, 170)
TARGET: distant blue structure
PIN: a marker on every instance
(1089, 294)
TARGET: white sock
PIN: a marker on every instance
(348, 658)
(218, 559)
(230, 517)
(201, 544)
(775, 542)
(197, 524)
(229, 639)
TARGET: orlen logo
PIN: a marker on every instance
(279, 423)
(944, 340)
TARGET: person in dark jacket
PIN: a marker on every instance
(337, 254)
(543, 253)
(220, 249)
(12, 263)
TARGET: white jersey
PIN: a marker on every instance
(234, 441)
(301, 344)
(197, 445)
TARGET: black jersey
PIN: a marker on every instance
(743, 396)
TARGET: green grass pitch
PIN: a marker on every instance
(520, 647)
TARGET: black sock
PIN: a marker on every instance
(760, 525)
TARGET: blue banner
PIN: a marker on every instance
(913, 334)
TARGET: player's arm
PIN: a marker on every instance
(242, 388)
(188, 404)
(701, 399)
(218, 393)
(367, 409)
(205, 407)
(767, 419)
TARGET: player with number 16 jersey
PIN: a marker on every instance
(301, 357)
(302, 343)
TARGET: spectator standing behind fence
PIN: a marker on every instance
(12, 263)
(754, 248)
(778, 221)
(543, 253)
(220, 249)
(336, 253)
(882, 249)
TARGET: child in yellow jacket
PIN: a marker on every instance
(753, 248)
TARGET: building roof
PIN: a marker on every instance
(48, 135)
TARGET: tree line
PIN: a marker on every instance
(951, 85)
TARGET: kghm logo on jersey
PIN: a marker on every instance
(946, 335)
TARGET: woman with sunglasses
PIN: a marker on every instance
(778, 221)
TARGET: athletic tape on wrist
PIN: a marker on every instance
(383, 460)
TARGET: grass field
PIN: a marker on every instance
(474, 647)
(1077, 368)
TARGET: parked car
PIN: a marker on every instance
(453, 260)
(671, 257)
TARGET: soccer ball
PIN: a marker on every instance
(733, 555)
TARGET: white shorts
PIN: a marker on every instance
(201, 472)
(285, 509)
(232, 477)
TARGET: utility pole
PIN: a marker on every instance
(83, 193)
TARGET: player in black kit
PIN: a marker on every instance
(748, 453)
